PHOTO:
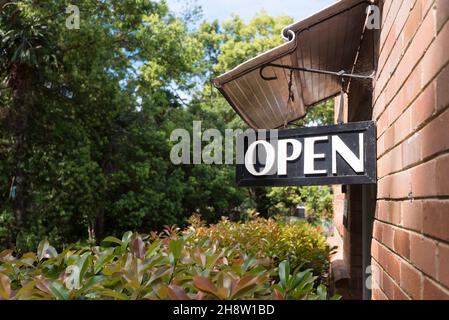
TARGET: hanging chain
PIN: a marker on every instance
(342, 101)
(291, 96)
(342, 75)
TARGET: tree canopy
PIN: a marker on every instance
(86, 116)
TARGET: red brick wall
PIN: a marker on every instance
(338, 204)
(350, 236)
(410, 248)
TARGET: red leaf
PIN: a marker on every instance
(243, 284)
(277, 295)
(43, 284)
(138, 247)
(177, 293)
(205, 285)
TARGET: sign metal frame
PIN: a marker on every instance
(370, 157)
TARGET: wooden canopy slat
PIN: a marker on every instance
(328, 40)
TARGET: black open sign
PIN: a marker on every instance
(331, 149)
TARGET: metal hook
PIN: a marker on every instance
(264, 77)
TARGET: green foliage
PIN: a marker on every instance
(319, 115)
(90, 158)
(283, 201)
(85, 120)
(169, 266)
(297, 286)
(225, 46)
(303, 245)
(317, 200)
(86, 116)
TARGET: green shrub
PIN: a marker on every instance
(172, 265)
(302, 244)
(317, 200)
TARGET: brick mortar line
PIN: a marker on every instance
(398, 284)
(388, 11)
(392, 24)
(380, 289)
(413, 198)
(389, 275)
(425, 275)
(445, 198)
(394, 18)
(416, 97)
(399, 34)
(412, 101)
(436, 21)
(395, 226)
(437, 255)
(416, 163)
(437, 284)
(403, 84)
(406, 49)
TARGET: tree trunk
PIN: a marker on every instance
(20, 84)
(99, 225)
(108, 167)
(260, 197)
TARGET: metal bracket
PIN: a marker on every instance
(341, 74)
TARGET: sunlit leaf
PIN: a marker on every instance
(126, 238)
(42, 249)
(284, 273)
(159, 273)
(243, 286)
(5, 287)
(104, 258)
(176, 247)
(205, 285)
(152, 248)
(59, 291)
(112, 240)
(321, 292)
(108, 293)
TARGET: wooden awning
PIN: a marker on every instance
(328, 40)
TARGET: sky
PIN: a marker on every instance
(246, 9)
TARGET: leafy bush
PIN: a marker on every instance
(300, 243)
(172, 265)
(317, 200)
